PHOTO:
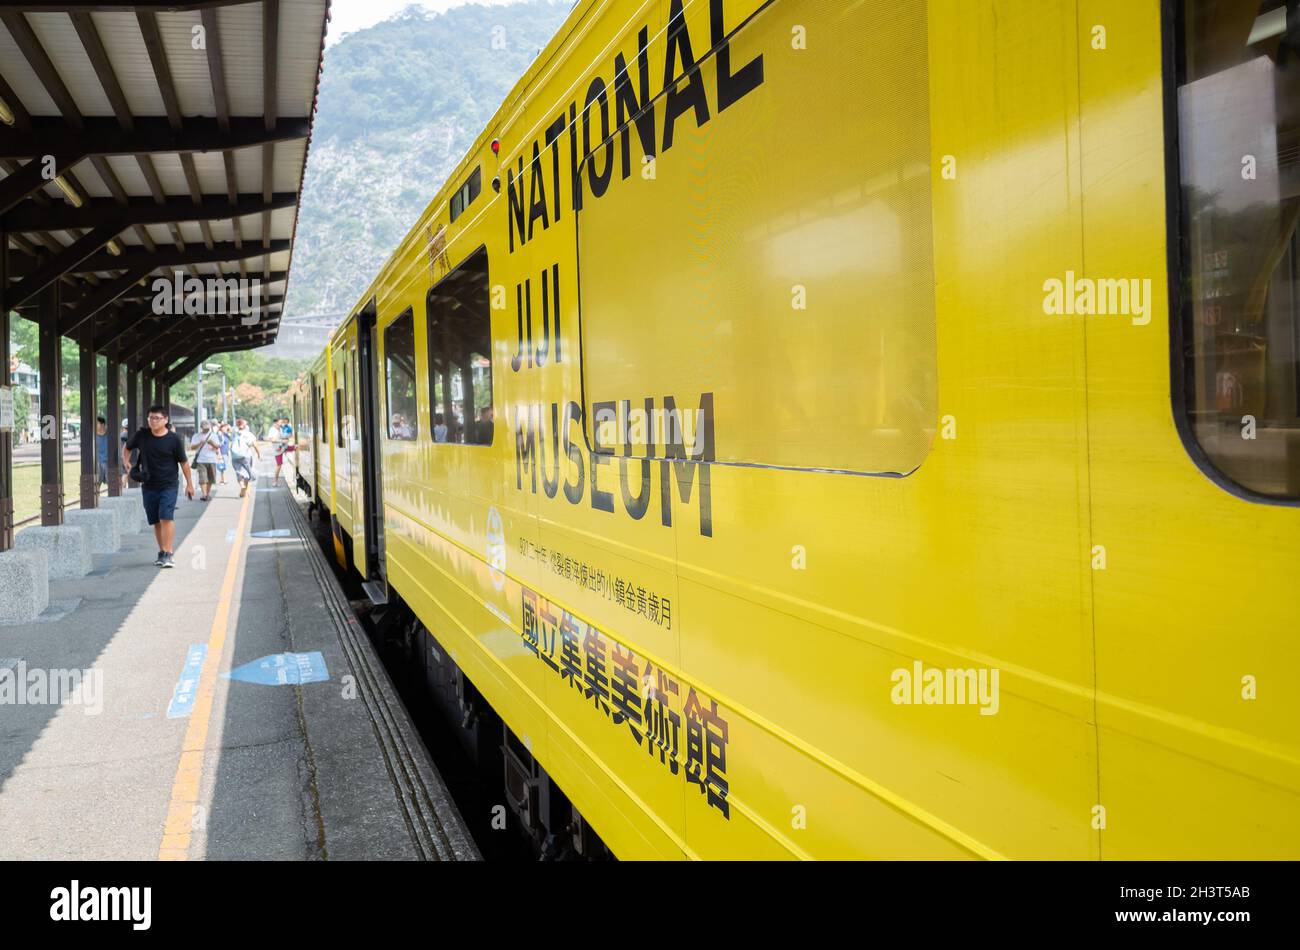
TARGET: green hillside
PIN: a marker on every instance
(400, 103)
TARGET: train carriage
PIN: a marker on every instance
(812, 429)
(306, 424)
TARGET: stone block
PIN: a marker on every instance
(66, 546)
(130, 512)
(24, 585)
(102, 525)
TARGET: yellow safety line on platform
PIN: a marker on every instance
(189, 771)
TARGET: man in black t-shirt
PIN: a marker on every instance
(160, 451)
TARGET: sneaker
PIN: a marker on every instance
(169, 560)
(158, 561)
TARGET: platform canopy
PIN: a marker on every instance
(142, 139)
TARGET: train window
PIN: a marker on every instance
(466, 194)
(399, 371)
(338, 417)
(1238, 313)
(460, 354)
(768, 299)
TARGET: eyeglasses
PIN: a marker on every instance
(154, 415)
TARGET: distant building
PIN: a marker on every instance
(22, 375)
(182, 419)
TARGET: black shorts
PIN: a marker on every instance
(160, 503)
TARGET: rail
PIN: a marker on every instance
(67, 507)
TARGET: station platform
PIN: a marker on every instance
(228, 708)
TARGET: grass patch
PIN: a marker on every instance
(27, 487)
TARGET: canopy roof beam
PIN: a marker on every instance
(98, 212)
(151, 135)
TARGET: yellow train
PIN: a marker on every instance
(855, 428)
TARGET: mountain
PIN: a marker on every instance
(400, 103)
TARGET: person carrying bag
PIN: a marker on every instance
(207, 450)
(242, 448)
(139, 470)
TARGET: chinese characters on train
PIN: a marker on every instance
(675, 724)
(625, 593)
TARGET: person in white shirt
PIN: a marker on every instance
(243, 446)
(207, 452)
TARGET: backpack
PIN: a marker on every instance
(139, 471)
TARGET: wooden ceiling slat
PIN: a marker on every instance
(162, 73)
(196, 195)
(94, 47)
(98, 56)
(216, 70)
(270, 61)
(41, 64)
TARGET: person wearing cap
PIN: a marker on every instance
(243, 446)
(223, 433)
(207, 450)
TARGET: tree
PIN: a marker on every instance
(22, 406)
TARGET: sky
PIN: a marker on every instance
(348, 16)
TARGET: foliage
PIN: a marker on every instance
(259, 385)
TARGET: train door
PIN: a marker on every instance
(355, 437)
(370, 510)
(314, 436)
(341, 499)
(1195, 480)
(296, 422)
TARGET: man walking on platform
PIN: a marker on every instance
(242, 448)
(160, 451)
(101, 449)
(207, 453)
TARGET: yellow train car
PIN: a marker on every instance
(304, 407)
(857, 429)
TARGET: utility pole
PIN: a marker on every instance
(198, 400)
